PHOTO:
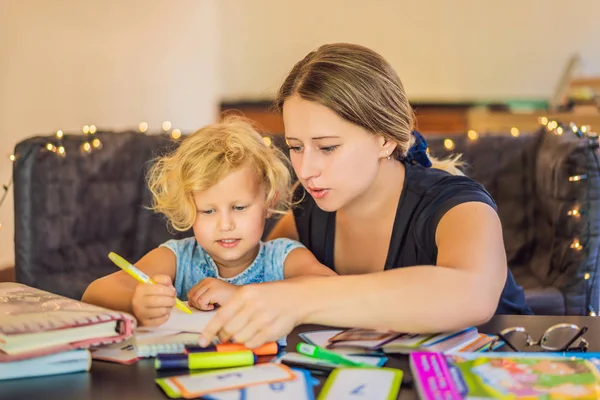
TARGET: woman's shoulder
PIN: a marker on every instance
(434, 186)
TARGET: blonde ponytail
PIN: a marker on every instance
(450, 164)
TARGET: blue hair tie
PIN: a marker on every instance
(417, 154)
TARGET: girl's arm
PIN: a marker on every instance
(301, 262)
(461, 291)
(115, 291)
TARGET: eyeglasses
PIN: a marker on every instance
(557, 338)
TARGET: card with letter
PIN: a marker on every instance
(300, 388)
(200, 384)
(362, 383)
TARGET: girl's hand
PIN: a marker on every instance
(210, 291)
(152, 304)
(257, 314)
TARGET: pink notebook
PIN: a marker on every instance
(35, 323)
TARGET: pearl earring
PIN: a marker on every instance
(387, 152)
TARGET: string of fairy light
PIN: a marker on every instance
(92, 143)
(554, 127)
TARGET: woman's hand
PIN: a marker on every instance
(210, 291)
(258, 313)
(152, 304)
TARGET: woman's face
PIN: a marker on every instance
(335, 160)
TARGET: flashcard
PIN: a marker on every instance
(362, 383)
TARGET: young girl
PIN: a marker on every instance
(223, 181)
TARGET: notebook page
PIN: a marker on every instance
(182, 322)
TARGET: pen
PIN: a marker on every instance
(327, 355)
(264, 350)
(141, 277)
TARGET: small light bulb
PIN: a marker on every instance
(514, 131)
(574, 212)
(576, 245)
(12, 157)
(574, 128)
(93, 129)
(166, 125)
(577, 178)
(61, 151)
(59, 134)
(267, 141)
(586, 276)
(176, 134)
(50, 147)
(97, 143)
(143, 127)
(543, 120)
(559, 130)
(472, 134)
(86, 129)
(86, 147)
(584, 129)
(448, 144)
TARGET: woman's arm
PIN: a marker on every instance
(463, 290)
(284, 228)
(115, 291)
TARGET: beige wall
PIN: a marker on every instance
(469, 49)
(64, 64)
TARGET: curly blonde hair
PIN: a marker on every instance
(205, 157)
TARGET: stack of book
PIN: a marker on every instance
(42, 333)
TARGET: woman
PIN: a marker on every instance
(420, 249)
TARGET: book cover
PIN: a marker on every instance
(65, 362)
(34, 322)
(479, 376)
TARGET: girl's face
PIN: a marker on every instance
(230, 218)
(335, 160)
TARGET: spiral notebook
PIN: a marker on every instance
(150, 345)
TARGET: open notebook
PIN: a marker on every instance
(35, 323)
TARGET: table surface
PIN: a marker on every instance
(109, 381)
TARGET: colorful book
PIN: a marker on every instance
(34, 323)
(488, 376)
(65, 362)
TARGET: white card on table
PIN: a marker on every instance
(201, 384)
(362, 383)
(300, 388)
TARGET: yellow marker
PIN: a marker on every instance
(141, 277)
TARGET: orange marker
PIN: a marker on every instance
(268, 349)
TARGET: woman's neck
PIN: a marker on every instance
(381, 197)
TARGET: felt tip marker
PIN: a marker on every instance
(205, 360)
(327, 355)
(269, 349)
(141, 277)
